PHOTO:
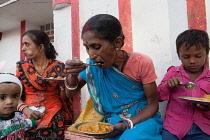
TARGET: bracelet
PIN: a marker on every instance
(21, 107)
(70, 88)
(128, 122)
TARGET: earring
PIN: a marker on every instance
(117, 49)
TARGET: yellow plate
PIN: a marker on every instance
(194, 100)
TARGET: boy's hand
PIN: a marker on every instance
(174, 82)
(203, 107)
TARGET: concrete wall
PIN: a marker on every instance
(9, 51)
(155, 26)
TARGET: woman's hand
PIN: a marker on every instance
(74, 66)
(32, 114)
(174, 82)
(117, 129)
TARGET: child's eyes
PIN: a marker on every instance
(2, 97)
(15, 96)
(199, 56)
(185, 57)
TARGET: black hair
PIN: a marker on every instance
(40, 37)
(104, 26)
(193, 37)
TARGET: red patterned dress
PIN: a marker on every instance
(40, 92)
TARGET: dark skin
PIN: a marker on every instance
(100, 50)
(193, 60)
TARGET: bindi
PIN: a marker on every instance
(86, 42)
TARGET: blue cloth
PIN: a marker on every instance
(118, 97)
(195, 133)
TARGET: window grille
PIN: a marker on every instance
(49, 30)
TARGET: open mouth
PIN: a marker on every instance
(99, 63)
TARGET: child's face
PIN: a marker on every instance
(9, 98)
(192, 59)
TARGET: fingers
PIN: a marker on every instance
(36, 115)
(174, 82)
(120, 127)
(203, 107)
(74, 66)
(116, 130)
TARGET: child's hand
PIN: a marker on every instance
(174, 82)
(38, 121)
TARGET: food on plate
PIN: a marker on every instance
(95, 128)
(206, 97)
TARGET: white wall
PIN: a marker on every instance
(208, 15)
(9, 51)
(30, 26)
(62, 33)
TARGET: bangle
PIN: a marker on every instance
(70, 88)
(128, 122)
(21, 107)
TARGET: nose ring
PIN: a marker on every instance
(94, 55)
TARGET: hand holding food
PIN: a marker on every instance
(74, 66)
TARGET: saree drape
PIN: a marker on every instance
(118, 97)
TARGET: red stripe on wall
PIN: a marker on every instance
(22, 31)
(76, 50)
(196, 12)
(125, 19)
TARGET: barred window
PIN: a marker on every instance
(49, 30)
